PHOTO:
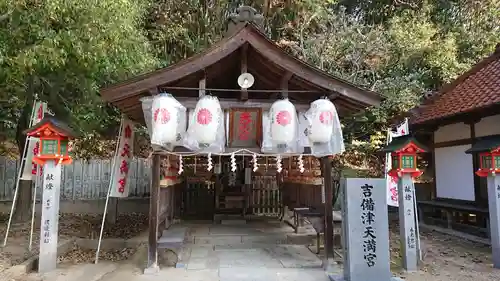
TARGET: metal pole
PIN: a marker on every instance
(112, 178)
(37, 181)
(19, 173)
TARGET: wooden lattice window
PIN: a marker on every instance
(497, 162)
(395, 162)
(408, 162)
(49, 147)
(64, 147)
(486, 162)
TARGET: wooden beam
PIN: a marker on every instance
(326, 171)
(433, 155)
(244, 69)
(284, 83)
(453, 143)
(153, 214)
(153, 91)
(232, 103)
(475, 166)
(202, 84)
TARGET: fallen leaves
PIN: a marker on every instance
(80, 255)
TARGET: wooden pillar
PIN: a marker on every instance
(326, 171)
(153, 216)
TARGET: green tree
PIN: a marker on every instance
(61, 52)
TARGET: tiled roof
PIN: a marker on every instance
(477, 88)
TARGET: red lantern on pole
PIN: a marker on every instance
(54, 141)
(404, 151)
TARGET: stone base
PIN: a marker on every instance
(341, 278)
(152, 270)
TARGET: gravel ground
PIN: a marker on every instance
(448, 258)
(445, 258)
(70, 226)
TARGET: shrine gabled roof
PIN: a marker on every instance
(56, 124)
(401, 142)
(484, 144)
(476, 89)
(303, 74)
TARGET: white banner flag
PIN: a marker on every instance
(30, 168)
(392, 182)
(121, 162)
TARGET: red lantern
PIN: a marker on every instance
(54, 139)
(404, 151)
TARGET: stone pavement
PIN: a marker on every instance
(251, 252)
(208, 263)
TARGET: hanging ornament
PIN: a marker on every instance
(255, 165)
(301, 164)
(209, 165)
(283, 122)
(181, 168)
(278, 164)
(232, 179)
(165, 120)
(205, 121)
(233, 163)
(321, 118)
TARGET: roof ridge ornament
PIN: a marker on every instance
(243, 15)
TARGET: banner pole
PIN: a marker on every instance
(37, 181)
(19, 174)
(112, 178)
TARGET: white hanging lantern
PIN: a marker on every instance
(321, 120)
(205, 120)
(283, 122)
(165, 120)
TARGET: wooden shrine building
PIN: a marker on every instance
(455, 118)
(245, 48)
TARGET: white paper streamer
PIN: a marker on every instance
(301, 164)
(255, 165)
(209, 165)
(233, 163)
(181, 168)
(278, 163)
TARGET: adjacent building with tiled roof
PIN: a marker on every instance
(459, 117)
(476, 90)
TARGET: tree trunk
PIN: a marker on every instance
(22, 209)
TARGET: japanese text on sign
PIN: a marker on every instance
(411, 239)
(122, 160)
(46, 231)
(244, 126)
(498, 191)
(125, 154)
(368, 220)
(408, 194)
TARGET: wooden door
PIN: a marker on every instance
(198, 201)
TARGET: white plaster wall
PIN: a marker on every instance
(488, 126)
(452, 132)
(454, 173)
